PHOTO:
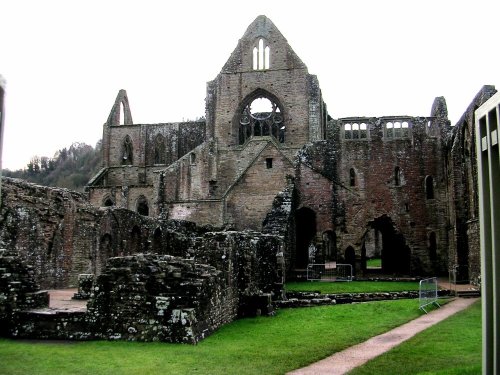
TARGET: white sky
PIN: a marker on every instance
(64, 61)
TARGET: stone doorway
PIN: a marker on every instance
(305, 220)
(390, 244)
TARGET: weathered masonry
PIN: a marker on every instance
(400, 188)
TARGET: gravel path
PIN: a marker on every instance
(346, 360)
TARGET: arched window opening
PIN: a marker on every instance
(432, 246)
(405, 132)
(267, 57)
(108, 202)
(159, 152)
(352, 177)
(142, 206)
(355, 131)
(389, 130)
(261, 56)
(347, 131)
(397, 176)
(192, 158)
(122, 114)
(127, 151)
(429, 187)
(397, 129)
(363, 131)
(261, 117)
(255, 58)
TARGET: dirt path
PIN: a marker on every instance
(346, 360)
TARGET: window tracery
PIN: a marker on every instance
(261, 117)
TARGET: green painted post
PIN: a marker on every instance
(488, 159)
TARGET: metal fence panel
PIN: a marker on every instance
(428, 293)
(329, 272)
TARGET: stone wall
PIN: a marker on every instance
(18, 291)
(51, 229)
(159, 298)
(351, 186)
(461, 167)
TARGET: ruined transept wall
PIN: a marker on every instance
(51, 229)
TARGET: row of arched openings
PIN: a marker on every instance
(159, 151)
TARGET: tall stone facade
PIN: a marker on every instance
(268, 157)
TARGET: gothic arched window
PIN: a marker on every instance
(127, 151)
(261, 56)
(142, 206)
(261, 117)
(159, 157)
(397, 176)
(352, 177)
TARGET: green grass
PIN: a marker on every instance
(374, 263)
(450, 347)
(291, 339)
(351, 287)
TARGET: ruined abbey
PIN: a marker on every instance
(400, 187)
(239, 198)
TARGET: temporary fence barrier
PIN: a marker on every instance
(329, 272)
(428, 293)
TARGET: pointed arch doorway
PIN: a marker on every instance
(305, 233)
(395, 253)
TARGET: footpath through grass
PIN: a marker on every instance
(351, 287)
(450, 347)
(291, 339)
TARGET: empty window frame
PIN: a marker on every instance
(127, 151)
(429, 187)
(397, 129)
(159, 150)
(355, 131)
(261, 56)
(352, 177)
(269, 163)
(397, 176)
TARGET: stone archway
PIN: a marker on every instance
(350, 257)
(395, 253)
(305, 220)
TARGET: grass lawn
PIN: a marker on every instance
(374, 263)
(291, 339)
(352, 286)
(450, 347)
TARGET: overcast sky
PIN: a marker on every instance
(65, 61)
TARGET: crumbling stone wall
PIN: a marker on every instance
(51, 229)
(461, 167)
(18, 291)
(159, 298)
